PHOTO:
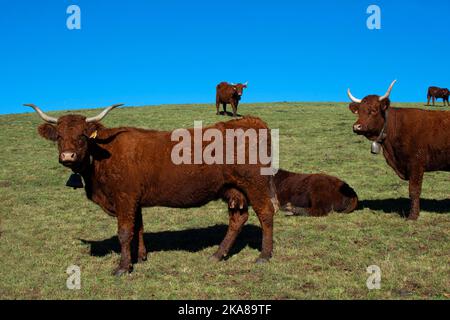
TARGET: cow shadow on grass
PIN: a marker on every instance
(192, 240)
(228, 113)
(401, 205)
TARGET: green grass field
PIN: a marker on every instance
(46, 227)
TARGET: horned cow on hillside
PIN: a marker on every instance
(125, 169)
(414, 141)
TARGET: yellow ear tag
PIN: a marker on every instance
(93, 135)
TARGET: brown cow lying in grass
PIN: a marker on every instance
(126, 169)
(304, 194)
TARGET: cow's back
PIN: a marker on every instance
(432, 91)
(224, 92)
(142, 161)
(417, 137)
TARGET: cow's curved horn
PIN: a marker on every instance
(388, 92)
(233, 84)
(41, 114)
(352, 97)
(246, 83)
(103, 113)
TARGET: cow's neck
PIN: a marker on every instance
(389, 144)
(389, 133)
(90, 170)
(87, 174)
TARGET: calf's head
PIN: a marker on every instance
(371, 112)
(72, 133)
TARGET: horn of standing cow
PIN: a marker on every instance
(246, 83)
(352, 97)
(101, 115)
(41, 114)
(388, 92)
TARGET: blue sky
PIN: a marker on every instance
(155, 52)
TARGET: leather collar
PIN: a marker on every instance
(383, 133)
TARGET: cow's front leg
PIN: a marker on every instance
(234, 106)
(125, 218)
(415, 189)
(217, 107)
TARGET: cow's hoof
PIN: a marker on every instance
(142, 258)
(215, 258)
(413, 217)
(261, 260)
(120, 271)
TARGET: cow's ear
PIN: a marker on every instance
(92, 129)
(386, 103)
(48, 131)
(104, 135)
(354, 107)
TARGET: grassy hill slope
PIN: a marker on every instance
(46, 227)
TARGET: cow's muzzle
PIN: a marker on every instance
(357, 128)
(68, 158)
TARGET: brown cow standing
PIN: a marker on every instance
(436, 92)
(229, 93)
(414, 140)
(304, 194)
(125, 169)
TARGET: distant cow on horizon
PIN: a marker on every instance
(229, 93)
(435, 92)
